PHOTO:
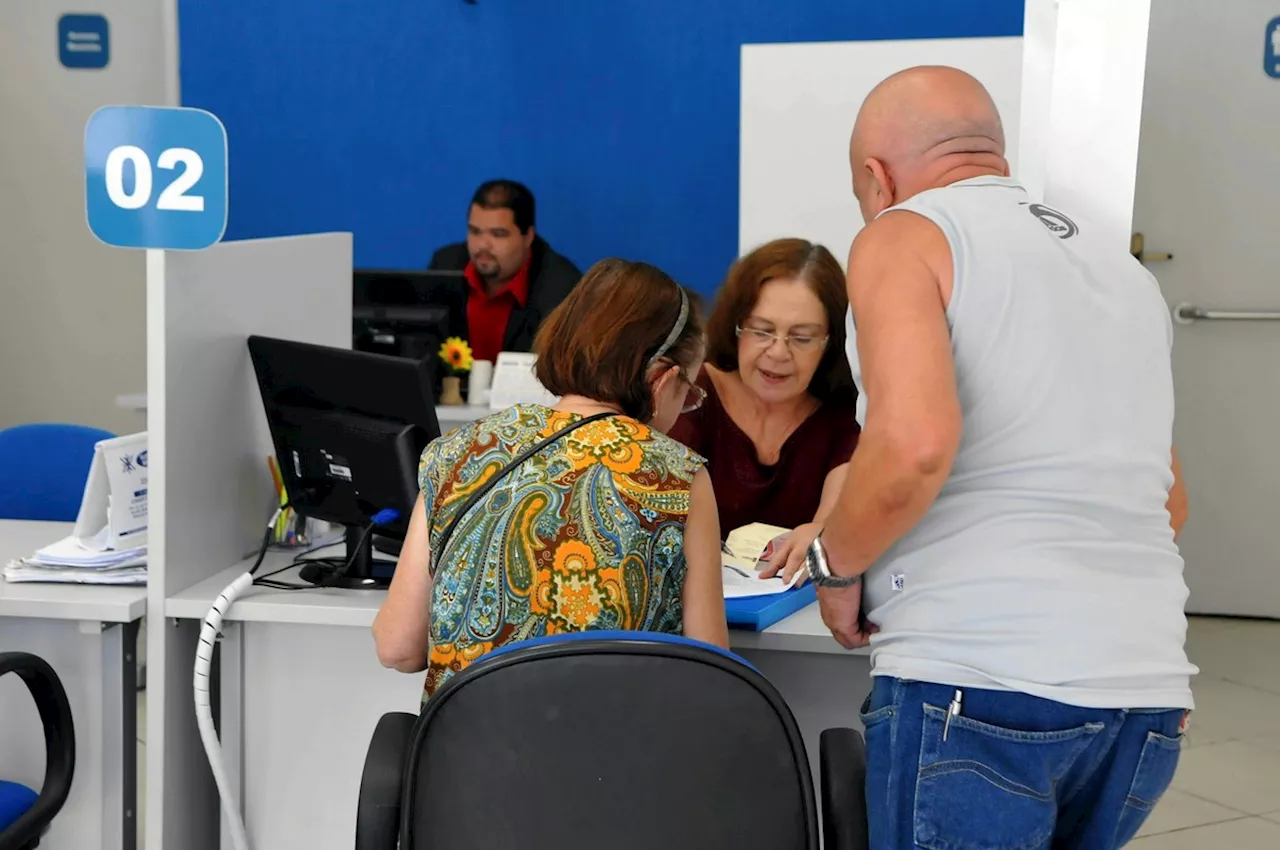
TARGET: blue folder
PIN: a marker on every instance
(757, 613)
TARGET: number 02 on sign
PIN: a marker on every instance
(155, 177)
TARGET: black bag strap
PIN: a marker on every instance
(479, 494)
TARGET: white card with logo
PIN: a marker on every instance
(514, 382)
(113, 513)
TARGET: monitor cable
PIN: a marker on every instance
(209, 633)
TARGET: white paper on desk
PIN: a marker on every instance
(738, 586)
(113, 512)
(17, 572)
(515, 383)
(70, 552)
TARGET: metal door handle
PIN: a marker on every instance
(1185, 314)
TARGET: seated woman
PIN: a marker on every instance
(610, 526)
(778, 425)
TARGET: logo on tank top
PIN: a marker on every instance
(1059, 225)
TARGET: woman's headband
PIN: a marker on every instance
(681, 321)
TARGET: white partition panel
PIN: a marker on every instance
(1090, 145)
(1039, 37)
(211, 492)
(799, 102)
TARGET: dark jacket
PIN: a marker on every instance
(551, 277)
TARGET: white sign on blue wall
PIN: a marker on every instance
(84, 41)
(156, 177)
(1271, 50)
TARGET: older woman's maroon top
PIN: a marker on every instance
(785, 494)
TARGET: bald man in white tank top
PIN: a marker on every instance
(1006, 535)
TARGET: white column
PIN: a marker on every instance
(1090, 143)
(1039, 37)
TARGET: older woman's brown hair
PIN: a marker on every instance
(599, 342)
(784, 259)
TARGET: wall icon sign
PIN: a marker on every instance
(84, 41)
(1271, 50)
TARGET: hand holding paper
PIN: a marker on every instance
(743, 554)
(786, 554)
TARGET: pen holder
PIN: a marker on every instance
(299, 532)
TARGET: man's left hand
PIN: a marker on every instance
(840, 607)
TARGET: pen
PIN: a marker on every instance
(953, 710)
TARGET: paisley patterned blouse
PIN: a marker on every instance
(586, 534)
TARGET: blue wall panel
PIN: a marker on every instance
(381, 116)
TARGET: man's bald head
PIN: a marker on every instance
(920, 129)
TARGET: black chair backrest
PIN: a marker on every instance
(632, 743)
(59, 746)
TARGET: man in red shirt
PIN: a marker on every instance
(513, 277)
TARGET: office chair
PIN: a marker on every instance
(626, 740)
(24, 814)
(43, 469)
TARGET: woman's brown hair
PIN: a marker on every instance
(789, 259)
(599, 342)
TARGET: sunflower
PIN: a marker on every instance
(456, 355)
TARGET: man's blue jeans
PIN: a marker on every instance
(1014, 772)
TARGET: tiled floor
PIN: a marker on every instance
(1226, 794)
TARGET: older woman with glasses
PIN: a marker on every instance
(777, 425)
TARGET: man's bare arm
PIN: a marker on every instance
(1178, 504)
(899, 280)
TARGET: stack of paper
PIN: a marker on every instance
(740, 561)
(70, 561)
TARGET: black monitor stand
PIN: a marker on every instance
(365, 573)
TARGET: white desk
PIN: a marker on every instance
(88, 634)
(302, 691)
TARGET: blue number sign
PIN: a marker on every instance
(1271, 50)
(155, 177)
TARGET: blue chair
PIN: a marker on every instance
(625, 740)
(43, 469)
(25, 815)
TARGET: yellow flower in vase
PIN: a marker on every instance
(455, 354)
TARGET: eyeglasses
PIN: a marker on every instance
(696, 396)
(796, 342)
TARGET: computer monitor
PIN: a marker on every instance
(405, 313)
(349, 428)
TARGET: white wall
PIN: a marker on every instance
(799, 102)
(72, 311)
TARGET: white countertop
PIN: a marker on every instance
(19, 538)
(452, 415)
(803, 631)
(460, 414)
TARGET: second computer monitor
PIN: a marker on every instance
(405, 313)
